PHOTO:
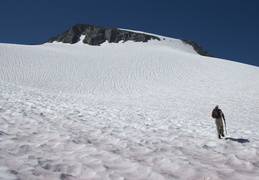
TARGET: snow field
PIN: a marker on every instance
(125, 111)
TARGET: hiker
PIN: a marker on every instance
(217, 114)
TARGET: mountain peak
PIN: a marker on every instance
(96, 35)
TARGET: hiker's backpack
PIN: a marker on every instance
(216, 113)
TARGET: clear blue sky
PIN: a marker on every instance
(227, 29)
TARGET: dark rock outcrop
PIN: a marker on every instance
(96, 35)
(197, 48)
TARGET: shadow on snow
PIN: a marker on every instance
(240, 140)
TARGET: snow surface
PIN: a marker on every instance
(125, 111)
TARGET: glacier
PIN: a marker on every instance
(127, 110)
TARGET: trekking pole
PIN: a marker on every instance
(225, 126)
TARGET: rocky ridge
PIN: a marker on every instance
(96, 35)
(197, 48)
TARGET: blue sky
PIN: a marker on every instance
(227, 29)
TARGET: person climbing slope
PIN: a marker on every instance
(217, 114)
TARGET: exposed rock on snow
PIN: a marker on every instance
(96, 35)
(197, 48)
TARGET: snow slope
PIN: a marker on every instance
(125, 111)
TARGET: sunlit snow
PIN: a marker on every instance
(125, 111)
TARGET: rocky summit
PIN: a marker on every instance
(96, 35)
